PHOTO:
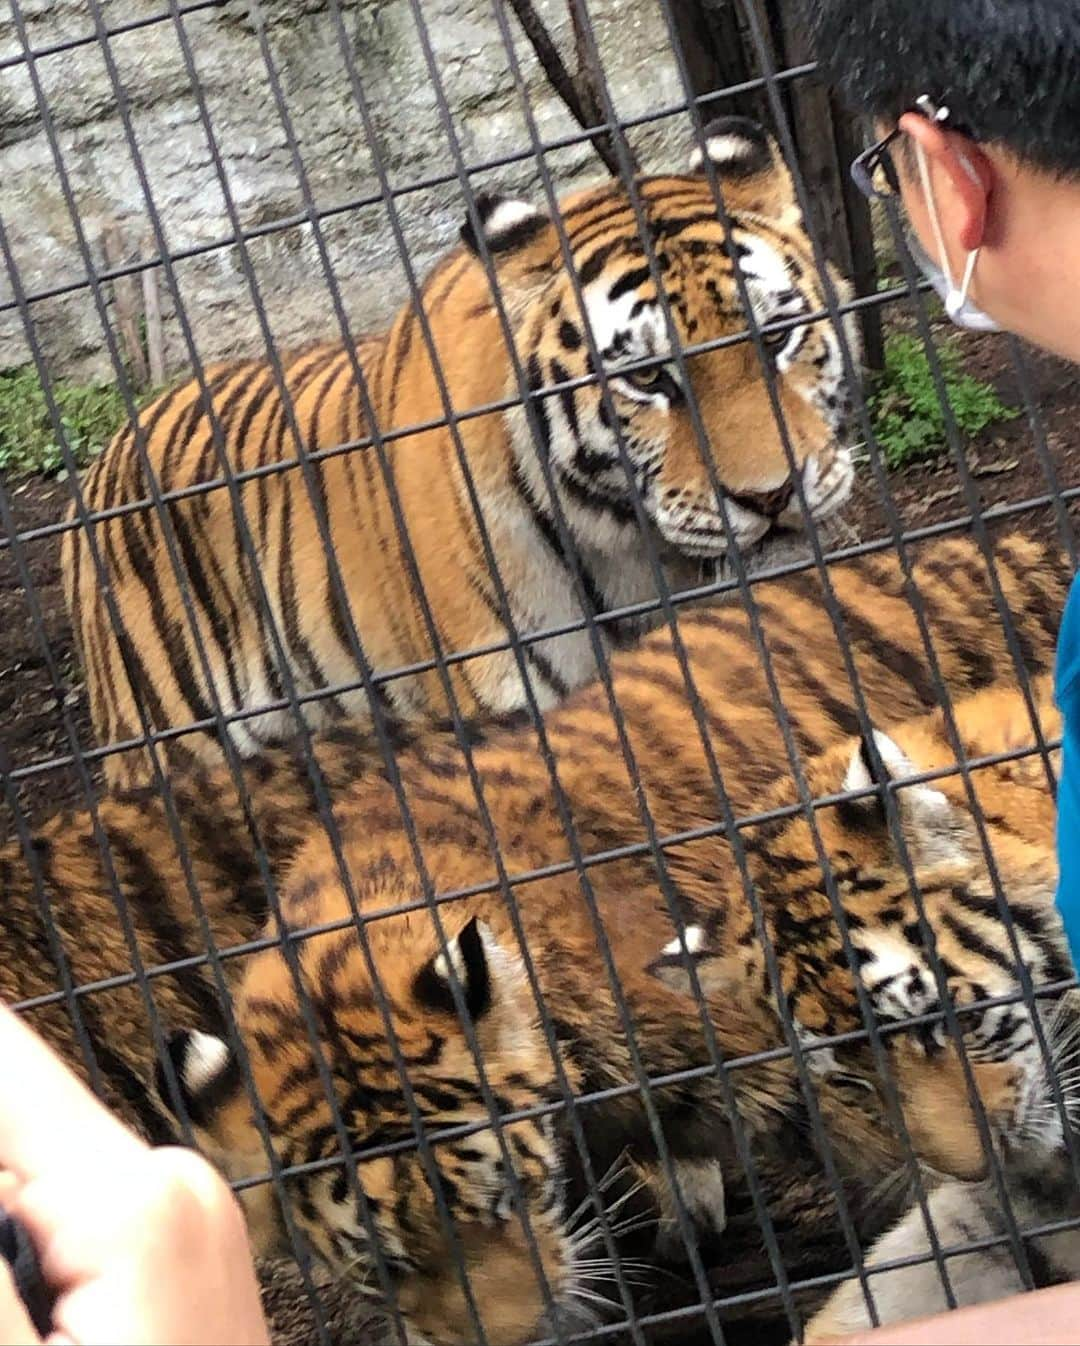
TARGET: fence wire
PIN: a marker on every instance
(626, 1135)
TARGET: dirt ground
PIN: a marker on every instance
(1003, 462)
(36, 655)
(1004, 466)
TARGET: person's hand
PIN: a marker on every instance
(140, 1246)
(1038, 1318)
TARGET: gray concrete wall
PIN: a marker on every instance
(232, 74)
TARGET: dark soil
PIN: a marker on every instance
(1004, 464)
(38, 711)
(41, 699)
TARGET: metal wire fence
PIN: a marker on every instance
(628, 1118)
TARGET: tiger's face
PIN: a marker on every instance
(410, 1224)
(673, 416)
(999, 1068)
(1007, 1077)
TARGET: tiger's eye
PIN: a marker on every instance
(646, 379)
(775, 341)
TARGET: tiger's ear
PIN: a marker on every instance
(206, 1074)
(210, 1083)
(751, 169)
(468, 954)
(520, 239)
(934, 828)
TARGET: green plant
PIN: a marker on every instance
(909, 420)
(89, 412)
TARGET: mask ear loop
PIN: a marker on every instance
(956, 298)
(935, 222)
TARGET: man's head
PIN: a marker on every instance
(1003, 166)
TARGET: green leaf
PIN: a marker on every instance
(909, 419)
(89, 413)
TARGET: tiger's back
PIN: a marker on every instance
(353, 564)
(722, 719)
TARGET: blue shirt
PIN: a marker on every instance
(1067, 694)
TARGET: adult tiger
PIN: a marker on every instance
(155, 657)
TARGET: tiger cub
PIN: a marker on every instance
(398, 610)
(534, 982)
(91, 947)
(1040, 1149)
(582, 986)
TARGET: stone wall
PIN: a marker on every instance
(305, 41)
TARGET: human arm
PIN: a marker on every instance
(138, 1245)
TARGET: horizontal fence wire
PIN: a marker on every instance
(628, 851)
(575, 1107)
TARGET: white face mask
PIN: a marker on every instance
(955, 298)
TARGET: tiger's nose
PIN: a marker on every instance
(771, 504)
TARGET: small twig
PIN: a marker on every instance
(586, 79)
(125, 303)
(590, 80)
(155, 334)
(578, 93)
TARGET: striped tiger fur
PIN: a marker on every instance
(722, 655)
(154, 659)
(977, 954)
(676, 782)
(717, 936)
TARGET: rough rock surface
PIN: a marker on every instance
(230, 48)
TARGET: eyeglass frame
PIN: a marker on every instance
(864, 165)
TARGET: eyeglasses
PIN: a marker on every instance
(874, 172)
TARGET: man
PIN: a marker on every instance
(977, 103)
(977, 107)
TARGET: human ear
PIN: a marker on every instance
(965, 168)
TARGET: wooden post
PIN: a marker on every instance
(826, 143)
(125, 303)
(864, 268)
(716, 56)
(155, 334)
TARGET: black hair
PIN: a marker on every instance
(1007, 70)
